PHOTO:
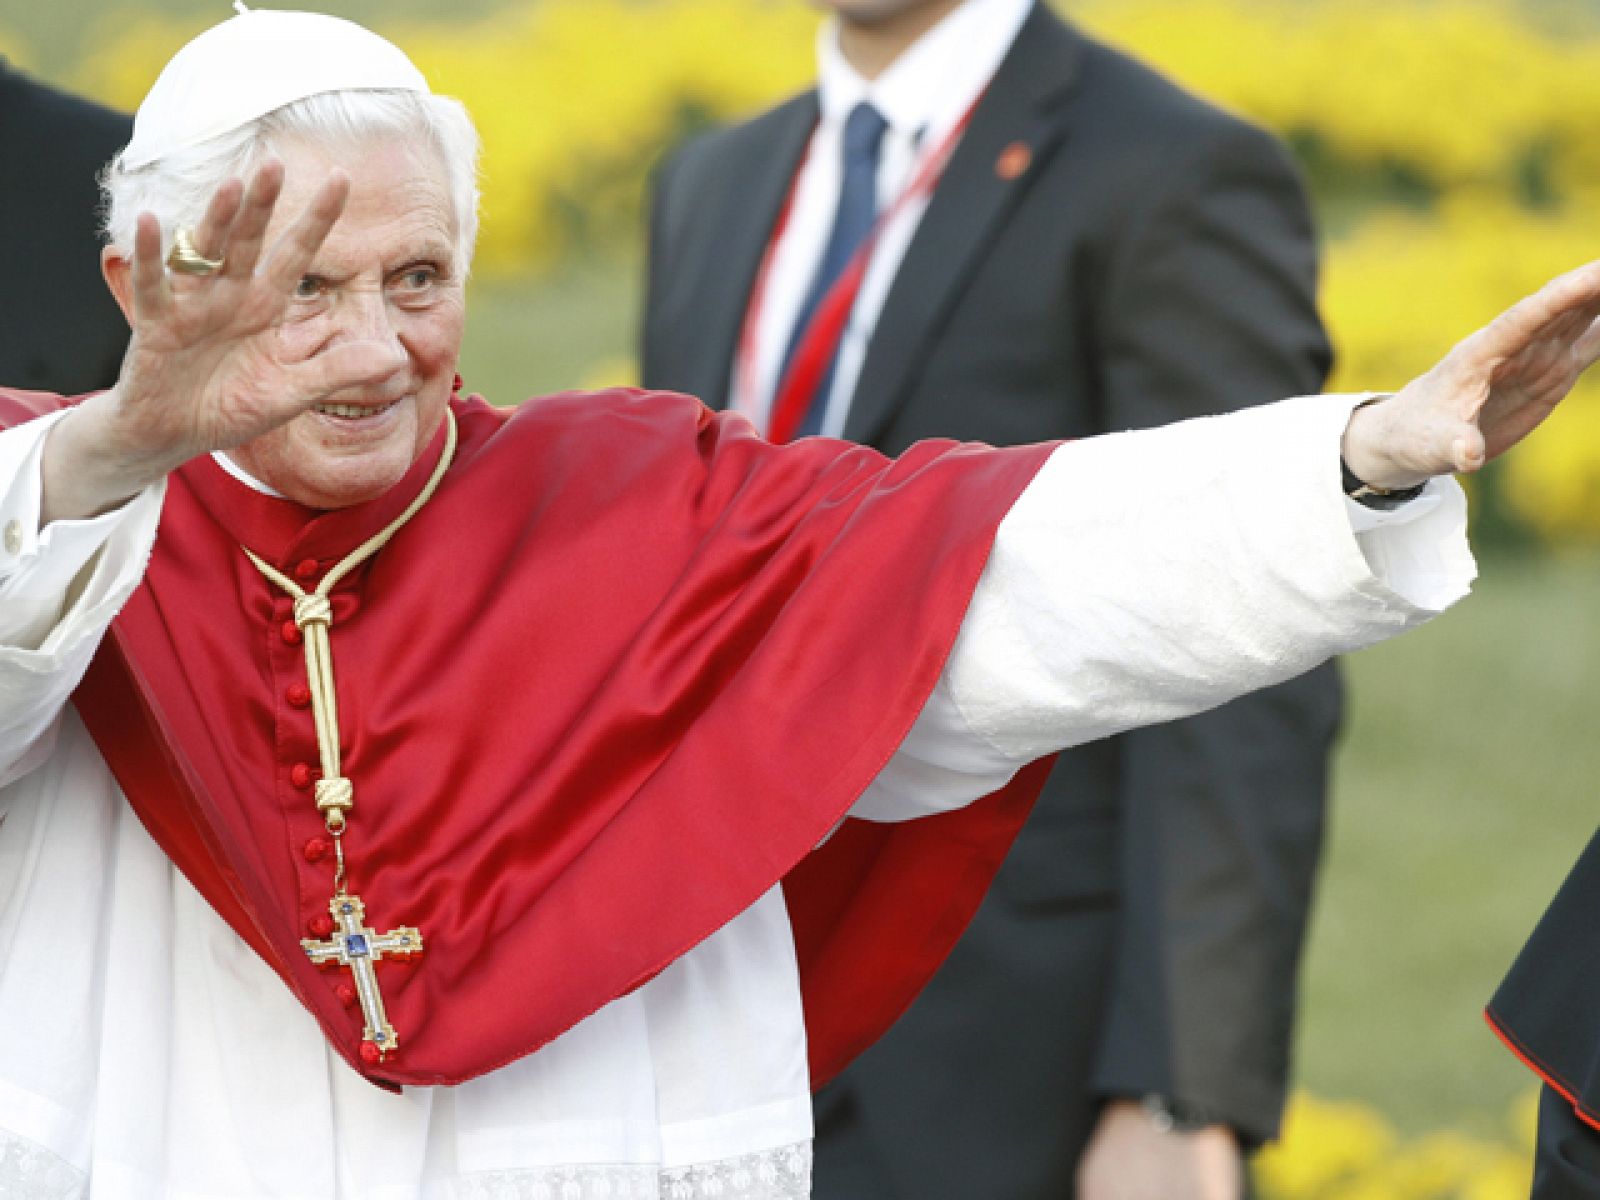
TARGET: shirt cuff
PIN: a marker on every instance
(1420, 548)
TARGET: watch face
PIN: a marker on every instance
(1169, 1117)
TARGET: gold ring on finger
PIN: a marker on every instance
(186, 260)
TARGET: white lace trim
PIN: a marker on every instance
(783, 1173)
(30, 1172)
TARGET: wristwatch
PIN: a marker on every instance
(1384, 499)
(1362, 492)
(1168, 1116)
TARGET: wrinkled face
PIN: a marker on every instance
(386, 272)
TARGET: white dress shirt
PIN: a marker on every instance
(923, 95)
(145, 1051)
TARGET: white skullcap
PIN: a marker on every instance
(251, 65)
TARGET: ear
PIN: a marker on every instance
(118, 271)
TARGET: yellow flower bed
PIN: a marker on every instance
(1476, 124)
(574, 98)
(1492, 114)
(1458, 91)
(1341, 1151)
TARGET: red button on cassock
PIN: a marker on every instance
(291, 633)
(305, 570)
(320, 926)
(302, 776)
(370, 1054)
(317, 849)
(346, 994)
(298, 695)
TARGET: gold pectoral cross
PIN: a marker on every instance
(357, 947)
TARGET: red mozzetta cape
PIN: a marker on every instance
(621, 674)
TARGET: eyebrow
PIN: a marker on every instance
(433, 253)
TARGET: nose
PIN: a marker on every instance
(363, 315)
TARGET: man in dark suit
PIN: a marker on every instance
(61, 331)
(1100, 251)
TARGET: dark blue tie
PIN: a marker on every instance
(852, 221)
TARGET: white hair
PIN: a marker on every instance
(177, 188)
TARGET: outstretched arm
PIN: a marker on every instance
(1150, 575)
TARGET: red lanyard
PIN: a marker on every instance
(821, 338)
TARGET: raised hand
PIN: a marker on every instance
(206, 369)
(1487, 394)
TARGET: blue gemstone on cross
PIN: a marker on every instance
(359, 949)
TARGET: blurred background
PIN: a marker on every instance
(1453, 149)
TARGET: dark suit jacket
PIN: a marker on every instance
(60, 330)
(1155, 262)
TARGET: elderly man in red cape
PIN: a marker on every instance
(405, 797)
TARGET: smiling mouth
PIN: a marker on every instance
(353, 412)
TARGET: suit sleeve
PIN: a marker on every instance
(1210, 306)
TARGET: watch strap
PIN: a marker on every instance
(1383, 499)
(1364, 493)
(1168, 1116)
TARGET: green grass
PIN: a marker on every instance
(1465, 788)
(532, 337)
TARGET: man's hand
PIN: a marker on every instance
(205, 369)
(1487, 394)
(1129, 1158)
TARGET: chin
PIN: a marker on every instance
(327, 463)
(346, 484)
(318, 477)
